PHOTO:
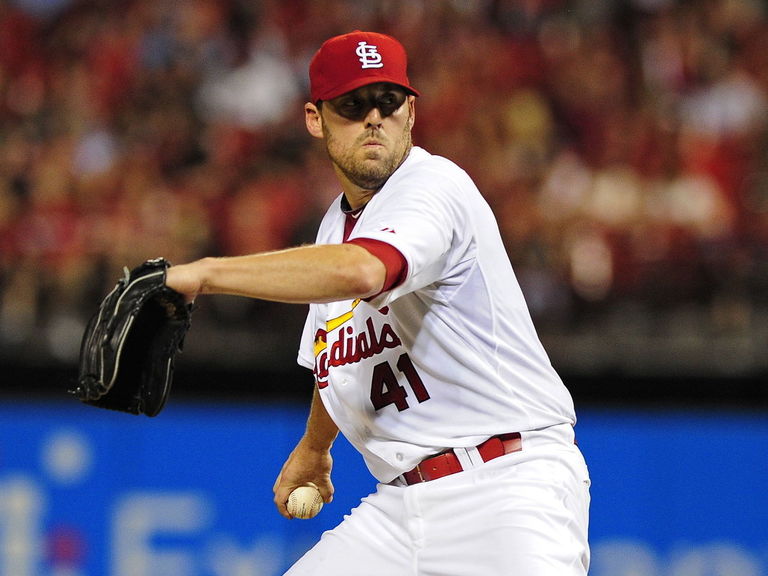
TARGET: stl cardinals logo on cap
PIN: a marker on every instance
(347, 62)
(369, 55)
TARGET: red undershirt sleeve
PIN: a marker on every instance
(393, 260)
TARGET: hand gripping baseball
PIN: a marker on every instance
(303, 467)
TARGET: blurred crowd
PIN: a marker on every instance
(622, 144)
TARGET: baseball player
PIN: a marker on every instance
(423, 351)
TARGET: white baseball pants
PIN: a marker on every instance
(522, 514)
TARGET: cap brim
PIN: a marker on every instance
(359, 83)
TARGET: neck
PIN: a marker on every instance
(357, 198)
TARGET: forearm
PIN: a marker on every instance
(321, 430)
(311, 460)
(316, 273)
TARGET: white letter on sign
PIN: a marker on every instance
(140, 518)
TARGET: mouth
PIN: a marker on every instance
(372, 149)
(372, 141)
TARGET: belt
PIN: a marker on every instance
(448, 463)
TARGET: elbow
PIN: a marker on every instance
(366, 274)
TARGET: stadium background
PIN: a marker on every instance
(622, 144)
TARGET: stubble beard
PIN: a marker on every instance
(372, 171)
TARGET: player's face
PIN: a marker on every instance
(367, 133)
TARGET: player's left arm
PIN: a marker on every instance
(311, 459)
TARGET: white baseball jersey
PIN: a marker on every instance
(449, 356)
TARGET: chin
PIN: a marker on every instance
(375, 153)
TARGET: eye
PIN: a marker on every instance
(349, 104)
(389, 102)
(350, 107)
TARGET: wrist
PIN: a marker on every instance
(316, 448)
(203, 274)
(312, 443)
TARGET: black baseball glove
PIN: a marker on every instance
(129, 346)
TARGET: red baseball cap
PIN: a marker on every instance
(347, 62)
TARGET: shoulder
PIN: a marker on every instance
(427, 172)
(421, 161)
(428, 177)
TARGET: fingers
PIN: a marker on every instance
(282, 490)
(326, 491)
(303, 466)
(281, 502)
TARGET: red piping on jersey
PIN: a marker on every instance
(393, 260)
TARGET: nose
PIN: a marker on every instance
(374, 118)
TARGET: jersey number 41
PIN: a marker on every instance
(386, 388)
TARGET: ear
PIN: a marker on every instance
(411, 110)
(313, 120)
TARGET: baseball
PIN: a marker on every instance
(305, 502)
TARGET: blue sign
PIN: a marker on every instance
(677, 493)
(89, 492)
(85, 491)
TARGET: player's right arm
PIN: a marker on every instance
(305, 274)
(311, 460)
